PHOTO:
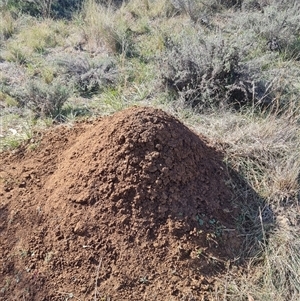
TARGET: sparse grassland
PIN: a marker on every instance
(229, 69)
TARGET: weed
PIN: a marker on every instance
(200, 220)
(23, 253)
(70, 111)
(111, 100)
(10, 143)
(199, 252)
(144, 280)
(48, 75)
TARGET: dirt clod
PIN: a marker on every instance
(134, 206)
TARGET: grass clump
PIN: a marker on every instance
(40, 37)
(104, 29)
(117, 31)
(7, 25)
(35, 38)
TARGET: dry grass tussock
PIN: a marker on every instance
(104, 28)
(7, 25)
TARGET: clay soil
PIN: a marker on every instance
(133, 206)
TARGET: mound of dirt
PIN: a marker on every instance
(134, 206)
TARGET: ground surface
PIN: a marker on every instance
(133, 206)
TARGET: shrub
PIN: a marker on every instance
(44, 95)
(269, 27)
(89, 75)
(45, 100)
(207, 73)
(12, 76)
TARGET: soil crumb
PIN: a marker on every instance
(133, 206)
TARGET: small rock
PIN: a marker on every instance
(83, 289)
(80, 228)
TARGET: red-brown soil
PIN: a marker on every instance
(134, 206)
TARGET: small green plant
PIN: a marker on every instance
(110, 101)
(199, 252)
(48, 74)
(8, 100)
(23, 253)
(10, 142)
(48, 257)
(200, 220)
(144, 280)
